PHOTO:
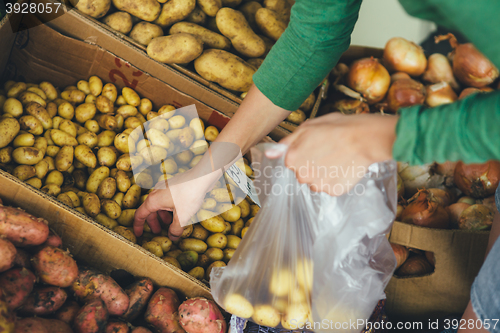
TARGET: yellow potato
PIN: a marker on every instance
(151, 115)
(305, 269)
(61, 138)
(65, 199)
(167, 111)
(212, 265)
(126, 233)
(96, 178)
(94, 8)
(119, 21)
(269, 23)
(145, 106)
(6, 155)
(144, 32)
(221, 195)
(172, 261)
(13, 107)
(24, 172)
(233, 25)
(92, 126)
(51, 189)
(233, 241)
(83, 85)
(119, 122)
(84, 112)
(52, 150)
(296, 316)
(122, 181)
(211, 133)
(147, 10)
(165, 243)
(197, 16)
(153, 155)
(110, 92)
(297, 117)
(197, 273)
(195, 161)
(15, 89)
(154, 248)
(198, 128)
(184, 157)
(9, 128)
(107, 188)
(107, 122)
(111, 209)
(50, 161)
(103, 104)
(180, 48)
(88, 139)
(106, 221)
(236, 227)
(49, 90)
(106, 156)
(245, 208)
(254, 209)
(132, 122)
(56, 121)
(95, 85)
(85, 156)
(68, 126)
(27, 155)
(74, 96)
(199, 232)
(37, 111)
(249, 9)
(126, 162)
(281, 282)
(228, 254)
(229, 212)
(238, 305)
(157, 138)
(214, 224)
(27, 97)
(192, 244)
(217, 240)
(131, 97)
(209, 38)
(120, 100)
(209, 203)
(266, 315)
(227, 229)
(126, 218)
(64, 158)
(131, 198)
(91, 204)
(123, 143)
(90, 99)
(81, 210)
(35, 182)
(24, 140)
(74, 198)
(66, 110)
(168, 166)
(174, 11)
(210, 7)
(144, 180)
(186, 136)
(105, 138)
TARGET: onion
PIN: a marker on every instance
(476, 217)
(430, 258)
(399, 75)
(454, 211)
(439, 70)
(470, 66)
(447, 170)
(442, 197)
(400, 186)
(486, 89)
(401, 254)
(423, 210)
(439, 94)
(468, 200)
(405, 92)
(399, 211)
(468, 91)
(368, 77)
(351, 106)
(416, 177)
(478, 180)
(489, 202)
(401, 55)
(417, 265)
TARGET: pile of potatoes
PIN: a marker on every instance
(43, 290)
(80, 144)
(225, 40)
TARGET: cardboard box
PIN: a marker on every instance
(459, 255)
(40, 53)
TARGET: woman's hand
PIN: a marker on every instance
(333, 152)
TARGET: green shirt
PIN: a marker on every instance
(319, 32)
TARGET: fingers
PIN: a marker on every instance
(165, 217)
(153, 203)
(175, 231)
(153, 223)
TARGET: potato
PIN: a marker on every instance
(173, 254)
(157, 138)
(67, 312)
(297, 117)
(168, 166)
(154, 248)
(228, 254)
(221, 195)
(84, 112)
(64, 158)
(162, 313)
(6, 155)
(49, 90)
(144, 32)
(126, 162)
(192, 244)
(210, 39)
(13, 107)
(217, 240)
(269, 23)
(74, 96)
(254, 209)
(210, 7)
(164, 242)
(96, 178)
(17, 284)
(44, 301)
(266, 315)
(55, 177)
(24, 140)
(197, 16)
(153, 155)
(107, 188)
(107, 122)
(281, 282)
(174, 11)
(65, 199)
(27, 97)
(62, 138)
(51, 189)
(249, 9)
(106, 156)
(74, 198)
(27, 155)
(85, 156)
(16, 89)
(308, 103)
(91, 204)
(66, 110)
(88, 139)
(83, 85)
(296, 316)
(187, 259)
(105, 138)
(94, 8)
(144, 180)
(111, 209)
(120, 100)
(24, 172)
(184, 157)
(104, 105)
(213, 224)
(31, 125)
(199, 232)
(92, 317)
(237, 227)
(92, 126)
(68, 126)
(230, 212)
(110, 92)
(147, 10)
(233, 241)
(238, 305)
(226, 69)
(180, 48)
(212, 265)
(131, 198)
(122, 181)
(132, 122)
(125, 232)
(9, 127)
(9, 254)
(234, 26)
(119, 21)
(55, 266)
(126, 218)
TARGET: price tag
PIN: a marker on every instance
(243, 182)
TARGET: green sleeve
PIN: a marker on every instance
(467, 130)
(318, 33)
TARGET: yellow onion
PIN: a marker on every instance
(455, 211)
(399, 211)
(439, 94)
(478, 180)
(439, 70)
(423, 210)
(417, 177)
(489, 202)
(430, 257)
(405, 92)
(442, 197)
(399, 75)
(416, 265)
(351, 106)
(476, 217)
(447, 170)
(400, 187)
(368, 77)
(467, 200)
(401, 55)
(470, 66)
(468, 91)
(401, 254)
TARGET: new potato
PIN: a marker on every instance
(180, 48)
(126, 218)
(96, 178)
(119, 21)
(269, 23)
(27, 155)
(210, 39)
(144, 32)
(197, 16)
(111, 209)
(13, 107)
(64, 158)
(94, 8)
(174, 11)
(147, 10)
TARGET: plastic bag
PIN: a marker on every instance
(309, 260)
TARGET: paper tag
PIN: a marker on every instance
(243, 182)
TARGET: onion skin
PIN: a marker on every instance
(439, 94)
(405, 92)
(489, 202)
(401, 55)
(399, 75)
(401, 254)
(368, 77)
(478, 180)
(446, 169)
(424, 211)
(468, 91)
(455, 211)
(476, 217)
(400, 186)
(467, 200)
(351, 106)
(430, 258)
(442, 197)
(417, 265)
(416, 177)
(439, 70)
(470, 66)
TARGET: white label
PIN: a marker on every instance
(243, 182)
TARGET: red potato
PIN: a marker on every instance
(23, 259)
(8, 251)
(41, 325)
(117, 327)
(83, 286)
(52, 240)
(67, 312)
(55, 266)
(21, 228)
(44, 301)
(57, 326)
(17, 284)
(91, 318)
(140, 330)
(139, 294)
(197, 315)
(162, 312)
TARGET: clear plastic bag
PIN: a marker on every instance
(309, 260)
